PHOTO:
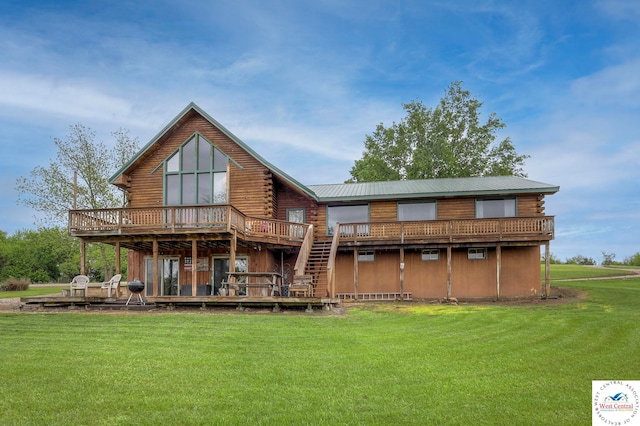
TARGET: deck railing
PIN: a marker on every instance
(180, 219)
(450, 230)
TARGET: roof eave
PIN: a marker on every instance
(546, 191)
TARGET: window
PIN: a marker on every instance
(196, 174)
(366, 256)
(348, 214)
(505, 207)
(417, 211)
(296, 215)
(477, 253)
(431, 254)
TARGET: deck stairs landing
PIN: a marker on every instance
(317, 267)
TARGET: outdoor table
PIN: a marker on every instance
(270, 285)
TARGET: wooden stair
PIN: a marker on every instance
(317, 267)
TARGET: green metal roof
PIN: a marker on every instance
(493, 185)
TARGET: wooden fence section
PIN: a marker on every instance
(182, 219)
(512, 228)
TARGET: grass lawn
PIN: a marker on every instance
(569, 272)
(382, 363)
(33, 291)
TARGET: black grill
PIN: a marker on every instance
(135, 287)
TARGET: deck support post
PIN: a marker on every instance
(232, 257)
(547, 271)
(194, 267)
(448, 272)
(355, 273)
(118, 260)
(498, 269)
(83, 257)
(156, 270)
(402, 273)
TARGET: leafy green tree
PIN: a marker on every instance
(39, 255)
(53, 189)
(633, 260)
(446, 141)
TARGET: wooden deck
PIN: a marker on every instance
(183, 220)
(506, 229)
(170, 302)
(168, 222)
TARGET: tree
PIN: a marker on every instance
(580, 260)
(607, 258)
(553, 259)
(51, 189)
(45, 255)
(446, 141)
(633, 260)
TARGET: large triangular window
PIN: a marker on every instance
(196, 174)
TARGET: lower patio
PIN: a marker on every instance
(125, 302)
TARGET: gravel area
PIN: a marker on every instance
(10, 304)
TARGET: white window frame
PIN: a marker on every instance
(477, 254)
(366, 256)
(430, 254)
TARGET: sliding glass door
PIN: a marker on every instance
(169, 269)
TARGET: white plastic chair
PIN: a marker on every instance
(112, 284)
(79, 282)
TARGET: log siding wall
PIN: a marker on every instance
(255, 191)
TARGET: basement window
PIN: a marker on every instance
(366, 256)
(430, 254)
(477, 253)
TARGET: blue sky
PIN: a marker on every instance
(303, 83)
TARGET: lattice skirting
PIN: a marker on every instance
(374, 296)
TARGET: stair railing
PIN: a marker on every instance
(305, 251)
(331, 270)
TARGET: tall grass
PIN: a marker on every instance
(385, 363)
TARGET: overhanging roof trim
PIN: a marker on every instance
(479, 186)
(214, 122)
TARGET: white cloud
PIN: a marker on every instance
(617, 86)
(621, 9)
(79, 100)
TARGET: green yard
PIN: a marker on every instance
(384, 363)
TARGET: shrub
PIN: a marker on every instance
(16, 284)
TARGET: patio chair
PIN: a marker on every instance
(301, 284)
(112, 284)
(79, 282)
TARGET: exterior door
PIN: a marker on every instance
(169, 269)
(220, 270)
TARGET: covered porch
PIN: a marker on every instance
(204, 247)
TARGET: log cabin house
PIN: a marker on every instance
(206, 216)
